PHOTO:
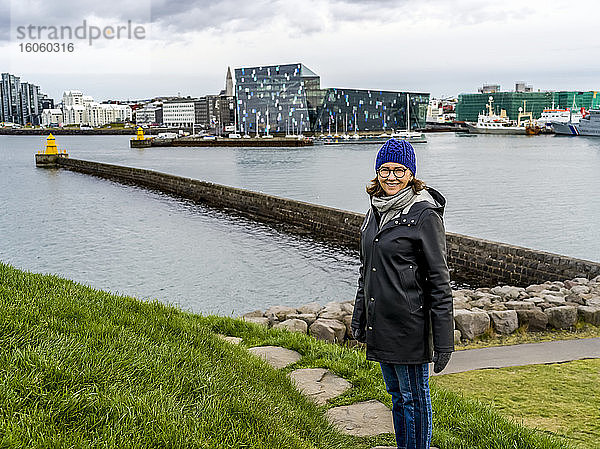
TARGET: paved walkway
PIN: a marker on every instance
(523, 354)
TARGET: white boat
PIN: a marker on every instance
(492, 123)
(407, 134)
(552, 115)
(410, 136)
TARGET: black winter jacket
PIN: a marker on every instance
(404, 301)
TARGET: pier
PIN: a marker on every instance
(472, 260)
(220, 142)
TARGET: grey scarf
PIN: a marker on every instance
(390, 206)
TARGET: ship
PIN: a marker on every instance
(589, 125)
(555, 115)
(492, 123)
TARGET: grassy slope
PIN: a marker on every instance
(85, 368)
(561, 398)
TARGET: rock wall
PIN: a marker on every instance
(502, 310)
(474, 261)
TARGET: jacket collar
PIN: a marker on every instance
(416, 209)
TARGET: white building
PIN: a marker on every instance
(149, 115)
(52, 117)
(100, 114)
(79, 109)
(179, 113)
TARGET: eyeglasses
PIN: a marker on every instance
(399, 172)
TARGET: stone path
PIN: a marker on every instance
(276, 356)
(319, 384)
(362, 419)
(372, 417)
(523, 354)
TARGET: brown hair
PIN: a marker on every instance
(375, 189)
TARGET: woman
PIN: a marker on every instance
(403, 308)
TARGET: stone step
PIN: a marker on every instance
(228, 339)
(319, 384)
(276, 356)
(362, 419)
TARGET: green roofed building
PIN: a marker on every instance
(470, 105)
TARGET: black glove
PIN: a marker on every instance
(359, 335)
(440, 360)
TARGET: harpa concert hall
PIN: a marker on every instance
(289, 99)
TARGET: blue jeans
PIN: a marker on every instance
(411, 411)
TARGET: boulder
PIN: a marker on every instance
(589, 314)
(483, 302)
(520, 305)
(593, 301)
(534, 319)
(507, 291)
(504, 321)
(554, 299)
(497, 306)
(582, 281)
(580, 289)
(457, 336)
(308, 318)
(578, 298)
(347, 307)
(461, 304)
(348, 323)
(562, 317)
(311, 308)
(280, 312)
(262, 320)
(292, 325)
(329, 330)
(255, 314)
(535, 288)
(332, 311)
(463, 292)
(471, 323)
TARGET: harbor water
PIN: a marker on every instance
(541, 192)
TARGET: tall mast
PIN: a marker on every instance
(408, 112)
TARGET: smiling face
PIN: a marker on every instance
(391, 184)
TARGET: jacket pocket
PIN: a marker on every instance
(412, 290)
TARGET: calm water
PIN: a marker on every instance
(541, 192)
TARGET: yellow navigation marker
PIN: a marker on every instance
(49, 157)
(140, 133)
(51, 147)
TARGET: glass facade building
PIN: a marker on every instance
(287, 94)
(289, 99)
(350, 110)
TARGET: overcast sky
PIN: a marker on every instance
(436, 46)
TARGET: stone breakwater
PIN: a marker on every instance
(501, 309)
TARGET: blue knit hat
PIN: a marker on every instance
(399, 151)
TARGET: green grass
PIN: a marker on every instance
(520, 336)
(560, 398)
(85, 368)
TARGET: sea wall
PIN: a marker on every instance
(499, 310)
(474, 261)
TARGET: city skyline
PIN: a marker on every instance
(437, 47)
